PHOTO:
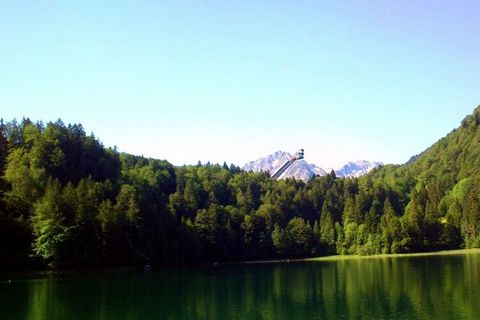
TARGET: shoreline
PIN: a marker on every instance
(360, 257)
(6, 276)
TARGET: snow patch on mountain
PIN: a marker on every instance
(269, 163)
(303, 170)
(300, 169)
(357, 168)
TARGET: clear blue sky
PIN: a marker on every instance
(235, 80)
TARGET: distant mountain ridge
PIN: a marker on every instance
(303, 170)
(357, 168)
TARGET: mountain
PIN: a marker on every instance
(357, 168)
(301, 169)
(268, 163)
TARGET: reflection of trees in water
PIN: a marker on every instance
(440, 287)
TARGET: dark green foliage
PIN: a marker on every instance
(67, 201)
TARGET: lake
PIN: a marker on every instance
(419, 287)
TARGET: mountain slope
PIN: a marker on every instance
(269, 163)
(438, 191)
(451, 159)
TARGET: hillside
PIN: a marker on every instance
(439, 188)
(66, 201)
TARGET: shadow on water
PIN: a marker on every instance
(437, 287)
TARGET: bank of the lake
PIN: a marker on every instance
(396, 255)
(48, 272)
(374, 256)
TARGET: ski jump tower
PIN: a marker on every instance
(297, 156)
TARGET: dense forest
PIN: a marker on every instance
(66, 201)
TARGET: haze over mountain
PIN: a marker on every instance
(301, 169)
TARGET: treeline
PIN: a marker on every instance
(68, 202)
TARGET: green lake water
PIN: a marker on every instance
(434, 287)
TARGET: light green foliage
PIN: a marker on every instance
(327, 228)
(298, 237)
(279, 240)
(50, 226)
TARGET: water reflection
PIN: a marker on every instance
(439, 287)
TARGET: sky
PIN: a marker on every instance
(236, 80)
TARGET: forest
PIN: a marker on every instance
(68, 202)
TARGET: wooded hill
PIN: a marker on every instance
(66, 201)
